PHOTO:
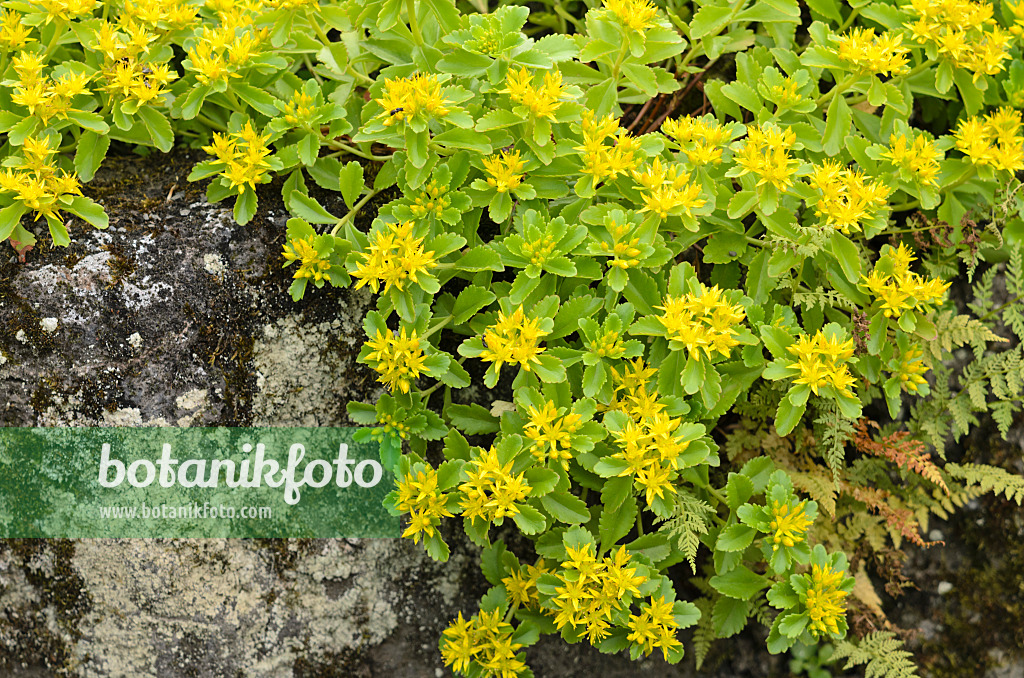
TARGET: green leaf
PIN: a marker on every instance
(351, 179)
(309, 149)
(530, 520)
(847, 255)
(743, 94)
(89, 121)
(565, 507)
(158, 126)
(735, 538)
(480, 258)
(307, 207)
(89, 210)
(245, 206)
(739, 583)
(497, 118)
(257, 98)
(729, 616)
(472, 419)
(10, 217)
(464, 138)
(710, 19)
(89, 154)
(837, 125)
(738, 490)
(470, 300)
(788, 416)
(615, 523)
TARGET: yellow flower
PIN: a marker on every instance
(917, 155)
(244, 156)
(824, 600)
(432, 199)
(513, 339)
(848, 197)
(879, 54)
(492, 490)
(789, 523)
(603, 162)
(964, 32)
(14, 34)
(542, 100)
(399, 358)
(418, 495)
(668, 190)
(592, 591)
(903, 290)
(993, 140)
(403, 98)
(704, 321)
(35, 181)
(311, 264)
(299, 108)
(551, 430)
(506, 170)
(702, 140)
(766, 154)
(911, 369)
(521, 585)
(654, 627)
(821, 361)
(637, 15)
(394, 257)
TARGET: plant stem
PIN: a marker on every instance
(849, 20)
(903, 207)
(342, 146)
(352, 212)
(437, 327)
(639, 523)
(414, 25)
(997, 310)
(212, 124)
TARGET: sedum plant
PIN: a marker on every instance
(662, 291)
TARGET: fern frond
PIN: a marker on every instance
(819, 487)
(990, 479)
(982, 293)
(1013, 314)
(954, 331)
(882, 652)
(901, 450)
(824, 299)
(688, 524)
(704, 634)
(832, 430)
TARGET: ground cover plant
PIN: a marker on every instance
(662, 292)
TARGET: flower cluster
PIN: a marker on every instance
(917, 155)
(492, 489)
(36, 182)
(654, 627)
(822, 361)
(824, 600)
(506, 170)
(299, 108)
(701, 139)
(14, 34)
(993, 140)
(403, 98)
(432, 199)
(542, 100)
(551, 430)
(636, 15)
(312, 264)
(394, 257)
(242, 156)
(634, 396)
(963, 31)
(668, 190)
(419, 496)
(590, 591)
(220, 52)
(45, 98)
(847, 196)
(702, 321)
(484, 643)
(397, 358)
(766, 154)
(603, 162)
(513, 339)
(869, 53)
(789, 523)
(899, 288)
(650, 447)
(521, 585)
(911, 370)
